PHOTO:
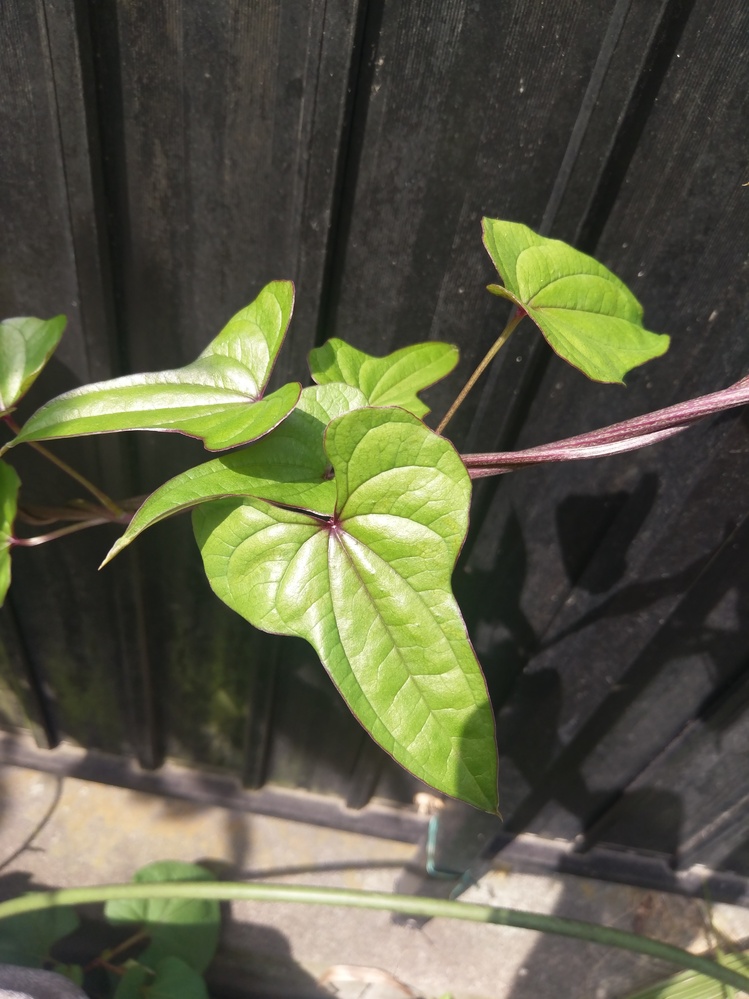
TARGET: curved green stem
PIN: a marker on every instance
(488, 358)
(410, 905)
(106, 501)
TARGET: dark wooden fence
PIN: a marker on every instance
(161, 161)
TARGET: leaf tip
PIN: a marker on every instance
(665, 343)
(492, 805)
(659, 344)
(114, 550)
(284, 292)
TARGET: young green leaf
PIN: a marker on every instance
(185, 928)
(9, 486)
(394, 380)
(288, 466)
(26, 344)
(588, 316)
(369, 588)
(218, 398)
(26, 939)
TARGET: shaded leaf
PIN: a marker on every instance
(588, 316)
(369, 588)
(173, 979)
(133, 983)
(73, 972)
(26, 939)
(218, 398)
(288, 466)
(394, 380)
(179, 927)
(9, 486)
(26, 344)
(176, 980)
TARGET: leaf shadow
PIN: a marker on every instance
(541, 763)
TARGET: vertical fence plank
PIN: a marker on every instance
(626, 536)
(676, 237)
(52, 264)
(221, 130)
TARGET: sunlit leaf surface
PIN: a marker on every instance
(589, 317)
(369, 588)
(288, 466)
(218, 398)
(394, 380)
(26, 344)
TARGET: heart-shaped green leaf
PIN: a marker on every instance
(369, 588)
(288, 467)
(178, 927)
(26, 344)
(218, 398)
(589, 317)
(9, 486)
(394, 380)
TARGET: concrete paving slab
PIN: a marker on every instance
(65, 832)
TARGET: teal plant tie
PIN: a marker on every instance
(465, 878)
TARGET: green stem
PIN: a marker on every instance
(106, 501)
(488, 358)
(105, 959)
(410, 905)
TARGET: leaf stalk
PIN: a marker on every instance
(105, 960)
(486, 361)
(106, 501)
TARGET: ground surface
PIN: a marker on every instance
(99, 834)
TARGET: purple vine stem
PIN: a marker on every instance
(626, 436)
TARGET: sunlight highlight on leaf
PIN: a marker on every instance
(288, 466)
(394, 380)
(369, 588)
(26, 344)
(588, 316)
(219, 398)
